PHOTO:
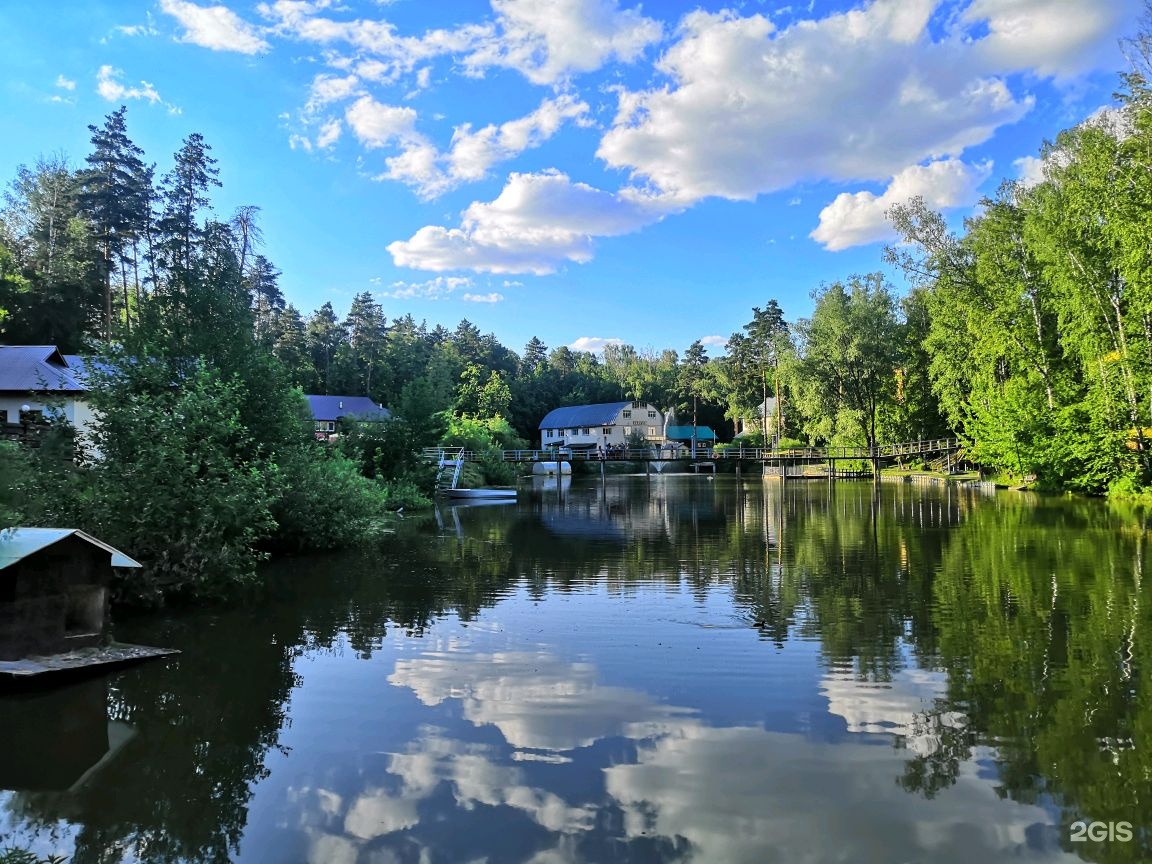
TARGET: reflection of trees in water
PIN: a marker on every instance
(1035, 610)
(1043, 626)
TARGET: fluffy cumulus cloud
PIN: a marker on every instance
(855, 219)
(713, 341)
(110, 87)
(490, 297)
(376, 125)
(538, 222)
(65, 83)
(1061, 40)
(857, 95)
(595, 344)
(473, 152)
(547, 40)
(215, 27)
(1029, 170)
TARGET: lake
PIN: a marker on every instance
(665, 669)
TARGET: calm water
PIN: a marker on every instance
(680, 669)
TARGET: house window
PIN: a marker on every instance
(607, 430)
(637, 404)
(549, 433)
(587, 431)
(626, 414)
(651, 415)
(651, 431)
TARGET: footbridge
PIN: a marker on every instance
(938, 447)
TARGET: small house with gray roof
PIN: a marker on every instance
(38, 382)
(607, 424)
(329, 411)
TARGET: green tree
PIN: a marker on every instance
(851, 351)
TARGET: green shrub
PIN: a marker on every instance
(23, 856)
(323, 501)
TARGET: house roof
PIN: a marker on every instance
(573, 416)
(684, 433)
(16, 544)
(336, 407)
(37, 368)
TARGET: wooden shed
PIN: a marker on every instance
(53, 590)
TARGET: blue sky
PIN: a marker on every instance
(577, 170)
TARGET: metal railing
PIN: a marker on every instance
(664, 454)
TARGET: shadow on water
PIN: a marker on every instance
(651, 669)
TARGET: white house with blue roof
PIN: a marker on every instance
(37, 381)
(607, 424)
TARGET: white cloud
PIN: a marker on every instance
(432, 289)
(65, 83)
(1030, 170)
(858, 95)
(594, 344)
(536, 223)
(375, 124)
(329, 133)
(546, 40)
(109, 87)
(327, 89)
(713, 341)
(472, 153)
(1060, 40)
(490, 297)
(215, 27)
(855, 219)
(537, 700)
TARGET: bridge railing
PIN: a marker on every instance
(884, 451)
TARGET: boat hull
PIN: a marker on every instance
(480, 493)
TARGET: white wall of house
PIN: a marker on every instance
(76, 411)
(639, 416)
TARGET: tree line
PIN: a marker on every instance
(1028, 334)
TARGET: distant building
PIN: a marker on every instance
(53, 590)
(37, 383)
(328, 411)
(608, 424)
(763, 419)
(705, 437)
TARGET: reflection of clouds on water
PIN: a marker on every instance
(905, 706)
(738, 795)
(746, 795)
(339, 826)
(536, 700)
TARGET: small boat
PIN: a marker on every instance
(496, 492)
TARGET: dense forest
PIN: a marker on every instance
(1028, 335)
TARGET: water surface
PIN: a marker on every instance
(678, 669)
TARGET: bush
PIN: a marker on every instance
(177, 485)
(324, 502)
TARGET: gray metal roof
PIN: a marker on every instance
(575, 416)
(16, 544)
(335, 407)
(27, 368)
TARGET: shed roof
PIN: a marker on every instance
(36, 367)
(582, 415)
(684, 433)
(336, 407)
(16, 544)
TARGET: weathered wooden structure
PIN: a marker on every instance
(54, 590)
